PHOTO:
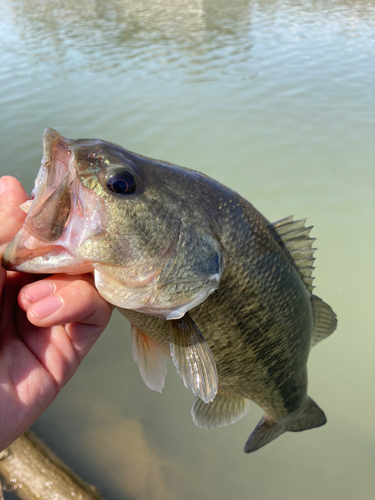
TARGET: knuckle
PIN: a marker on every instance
(80, 292)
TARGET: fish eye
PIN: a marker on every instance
(122, 183)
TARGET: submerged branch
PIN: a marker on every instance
(30, 469)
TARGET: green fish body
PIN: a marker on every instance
(200, 274)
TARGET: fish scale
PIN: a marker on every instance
(245, 315)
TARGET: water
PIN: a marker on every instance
(276, 99)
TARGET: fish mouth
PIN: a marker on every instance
(51, 205)
(54, 225)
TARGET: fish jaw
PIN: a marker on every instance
(27, 254)
(61, 216)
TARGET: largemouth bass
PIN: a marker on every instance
(201, 275)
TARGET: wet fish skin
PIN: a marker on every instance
(143, 232)
(258, 324)
(183, 243)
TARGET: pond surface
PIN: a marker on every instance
(275, 99)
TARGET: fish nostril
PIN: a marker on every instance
(95, 156)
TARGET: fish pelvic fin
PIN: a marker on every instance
(225, 409)
(151, 360)
(325, 320)
(266, 430)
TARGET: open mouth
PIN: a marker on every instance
(50, 208)
(55, 222)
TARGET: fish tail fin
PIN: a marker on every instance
(311, 417)
(266, 430)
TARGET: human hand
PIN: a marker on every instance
(47, 326)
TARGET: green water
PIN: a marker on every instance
(276, 99)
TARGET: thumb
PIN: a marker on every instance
(12, 217)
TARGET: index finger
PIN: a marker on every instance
(12, 217)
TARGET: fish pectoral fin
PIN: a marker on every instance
(225, 409)
(193, 358)
(151, 360)
(266, 430)
(325, 320)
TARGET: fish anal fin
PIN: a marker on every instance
(294, 236)
(225, 409)
(325, 320)
(193, 358)
(267, 430)
(151, 360)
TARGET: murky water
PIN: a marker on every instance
(276, 99)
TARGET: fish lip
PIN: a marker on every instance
(12, 263)
(49, 138)
(55, 148)
(41, 261)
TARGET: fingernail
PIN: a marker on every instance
(46, 307)
(3, 185)
(39, 290)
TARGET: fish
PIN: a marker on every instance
(202, 276)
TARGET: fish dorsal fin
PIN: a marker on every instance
(325, 320)
(294, 235)
(193, 358)
(151, 360)
(223, 410)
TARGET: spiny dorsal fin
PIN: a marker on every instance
(295, 237)
(223, 410)
(325, 320)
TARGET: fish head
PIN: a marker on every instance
(137, 224)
